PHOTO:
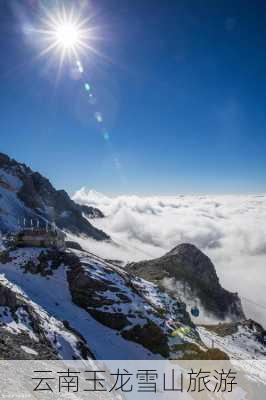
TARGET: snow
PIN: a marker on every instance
(29, 351)
(54, 297)
(13, 326)
(245, 353)
(239, 346)
(63, 341)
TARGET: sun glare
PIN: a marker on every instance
(67, 35)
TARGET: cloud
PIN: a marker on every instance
(229, 229)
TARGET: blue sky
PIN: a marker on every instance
(180, 85)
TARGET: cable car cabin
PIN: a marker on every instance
(39, 238)
(195, 311)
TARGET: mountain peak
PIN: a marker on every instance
(195, 262)
(90, 197)
(185, 248)
(26, 194)
(193, 275)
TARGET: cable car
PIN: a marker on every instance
(195, 311)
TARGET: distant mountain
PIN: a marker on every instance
(27, 194)
(185, 271)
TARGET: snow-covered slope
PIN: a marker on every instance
(241, 341)
(117, 316)
(28, 331)
(112, 313)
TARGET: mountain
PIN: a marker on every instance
(186, 272)
(72, 304)
(25, 194)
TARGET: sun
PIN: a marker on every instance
(67, 35)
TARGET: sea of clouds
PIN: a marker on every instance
(231, 230)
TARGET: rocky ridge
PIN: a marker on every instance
(27, 194)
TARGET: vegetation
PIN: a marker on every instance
(150, 336)
(223, 329)
(190, 351)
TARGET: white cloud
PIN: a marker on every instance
(230, 229)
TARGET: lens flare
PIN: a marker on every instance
(106, 136)
(98, 117)
(80, 67)
(87, 87)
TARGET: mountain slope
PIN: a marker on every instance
(242, 340)
(27, 194)
(117, 315)
(28, 331)
(109, 313)
(188, 273)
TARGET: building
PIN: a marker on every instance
(38, 237)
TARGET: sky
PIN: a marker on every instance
(179, 87)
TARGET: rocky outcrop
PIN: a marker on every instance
(186, 266)
(37, 193)
(138, 310)
(41, 199)
(112, 305)
(230, 329)
(257, 330)
(91, 212)
(70, 244)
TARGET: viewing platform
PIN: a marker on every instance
(39, 237)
